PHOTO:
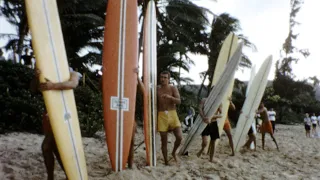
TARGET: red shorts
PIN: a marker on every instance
(266, 127)
(227, 125)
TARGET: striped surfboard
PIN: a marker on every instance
(120, 58)
(150, 82)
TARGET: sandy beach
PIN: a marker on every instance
(299, 157)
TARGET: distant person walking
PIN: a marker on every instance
(319, 120)
(189, 118)
(272, 117)
(307, 124)
(314, 121)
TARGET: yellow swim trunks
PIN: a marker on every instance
(168, 120)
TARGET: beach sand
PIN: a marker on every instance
(299, 158)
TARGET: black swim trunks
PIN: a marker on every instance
(250, 131)
(307, 127)
(211, 130)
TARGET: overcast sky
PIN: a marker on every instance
(266, 24)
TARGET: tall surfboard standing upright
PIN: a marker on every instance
(214, 99)
(253, 73)
(150, 82)
(120, 59)
(48, 44)
(251, 103)
(227, 50)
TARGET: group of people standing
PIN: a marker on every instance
(27, 59)
(310, 124)
(168, 98)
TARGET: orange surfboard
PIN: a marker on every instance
(120, 58)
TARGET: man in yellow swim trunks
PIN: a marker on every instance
(168, 96)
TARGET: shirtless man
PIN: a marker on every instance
(49, 147)
(211, 129)
(227, 128)
(266, 126)
(168, 96)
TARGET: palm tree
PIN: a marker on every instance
(82, 25)
(15, 14)
(181, 29)
(221, 26)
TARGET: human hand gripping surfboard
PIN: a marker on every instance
(215, 98)
(251, 103)
(48, 44)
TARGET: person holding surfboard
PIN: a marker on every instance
(168, 97)
(266, 126)
(252, 138)
(131, 152)
(227, 126)
(49, 147)
(211, 129)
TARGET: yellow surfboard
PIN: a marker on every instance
(52, 61)
(227, 50)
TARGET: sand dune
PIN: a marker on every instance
(299, 157)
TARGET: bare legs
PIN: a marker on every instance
(230, 140)
(164, 142)
(49, 149)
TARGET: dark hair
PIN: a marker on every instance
(166, 72)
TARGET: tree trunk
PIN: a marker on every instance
(202, 85)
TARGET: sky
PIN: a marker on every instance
(266, 24)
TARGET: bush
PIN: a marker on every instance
(291, 118)
(89, 106)
(22, 110)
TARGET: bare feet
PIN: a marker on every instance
(213, 160)
(175, 157)
(199, 154)
(166, 162)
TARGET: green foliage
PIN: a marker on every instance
(291, 117)
(181, 29)
(89, 106)
(188, 99)
(82, 25)
(23, 110)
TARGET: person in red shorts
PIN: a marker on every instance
(49, 147)
(266, 126)
(227, 127)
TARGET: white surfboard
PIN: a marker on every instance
(214, 99)
(251, 103)
(228, 48)
(150, 82)
(253, 72)
(48, 44)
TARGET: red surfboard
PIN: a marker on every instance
(120, 58)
